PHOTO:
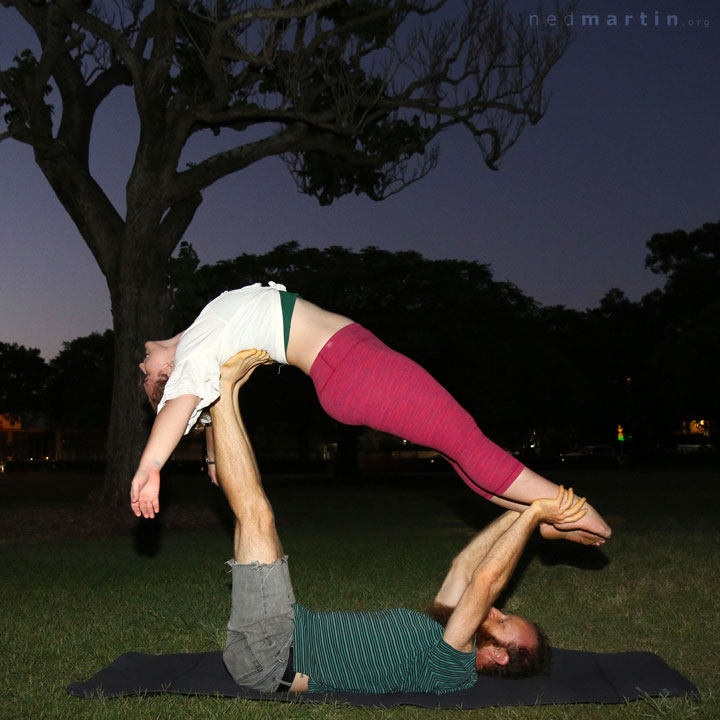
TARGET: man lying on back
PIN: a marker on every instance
(275, 644)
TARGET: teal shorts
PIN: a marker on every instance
(287, 303)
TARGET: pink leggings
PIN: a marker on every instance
(361, 381)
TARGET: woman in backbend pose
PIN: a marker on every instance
(358, 379)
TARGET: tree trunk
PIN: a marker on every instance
(140, 310)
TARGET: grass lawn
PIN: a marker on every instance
(70, 605)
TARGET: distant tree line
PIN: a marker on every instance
(523, 370)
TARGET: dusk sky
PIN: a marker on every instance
(629, 147)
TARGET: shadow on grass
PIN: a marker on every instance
(188, 504)
(147, 536)
(560, 552)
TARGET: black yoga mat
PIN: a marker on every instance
(576, 676)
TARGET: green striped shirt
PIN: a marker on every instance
(378, 652)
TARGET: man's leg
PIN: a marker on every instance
(256, 538)
(261, 620)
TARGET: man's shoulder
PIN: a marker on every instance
(419, 618)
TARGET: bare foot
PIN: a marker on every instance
(238, 369)
(592, 523)
(550, 532)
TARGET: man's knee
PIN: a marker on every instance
(259, 513)
(259, 523)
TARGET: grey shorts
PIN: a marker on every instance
(260, 629)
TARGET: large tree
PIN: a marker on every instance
(350, 93)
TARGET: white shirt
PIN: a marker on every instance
(236, 320)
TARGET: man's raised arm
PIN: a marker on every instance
(498, 563)
(464, 564)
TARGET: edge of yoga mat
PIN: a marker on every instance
(576, 677)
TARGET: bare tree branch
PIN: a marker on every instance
(114, 38)
(300, 10)
(202, 175)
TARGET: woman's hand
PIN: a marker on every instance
(564, 508)
(145, 492)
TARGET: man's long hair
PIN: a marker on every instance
(523, 661)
